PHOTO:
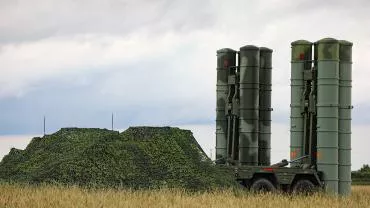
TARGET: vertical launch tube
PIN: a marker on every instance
(225, 58)
(301, 60)
(345, 106)
(264, 136)
(327, 112)
(249, 102)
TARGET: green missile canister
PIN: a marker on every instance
(249, 59)
(264, 135)
(327, 111)
(300, 61)
(345, 106)
(225, 58)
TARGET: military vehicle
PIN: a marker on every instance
(320, 120)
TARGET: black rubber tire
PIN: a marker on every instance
(304, 186)
(262, 185)
(242, 184)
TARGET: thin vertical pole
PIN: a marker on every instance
(112, 121)
(44, 125)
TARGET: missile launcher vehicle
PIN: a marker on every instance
(320, 117)
(278, 177)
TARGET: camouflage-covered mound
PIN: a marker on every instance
(140, 157)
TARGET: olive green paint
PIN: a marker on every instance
(327, 111)
(264, 135)
(249, 57)
(301, 56)
(225, 58)
(345, 107)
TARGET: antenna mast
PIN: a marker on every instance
(112, 122)
(44, 125)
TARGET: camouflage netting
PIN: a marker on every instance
(140, 157)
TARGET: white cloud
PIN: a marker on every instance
(25, 21)
(25, 64)
(64, 54)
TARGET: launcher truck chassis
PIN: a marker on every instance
(286, 179)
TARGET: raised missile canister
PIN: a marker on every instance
(327, 111)
(300, 61)
(225, 58)
(249, 57)
(264, 126)
(345, 106)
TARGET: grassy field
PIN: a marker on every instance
(52, 196)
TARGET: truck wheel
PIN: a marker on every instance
(303, 187)
(243, 184)
(262, 185)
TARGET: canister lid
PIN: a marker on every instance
(226, 50)
(328, 40)
(301, 42)
(249, 48)
(265, 49)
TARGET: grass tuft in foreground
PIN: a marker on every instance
(59, 196)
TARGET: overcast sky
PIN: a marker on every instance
(152, 62)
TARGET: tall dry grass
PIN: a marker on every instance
(53, 196)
